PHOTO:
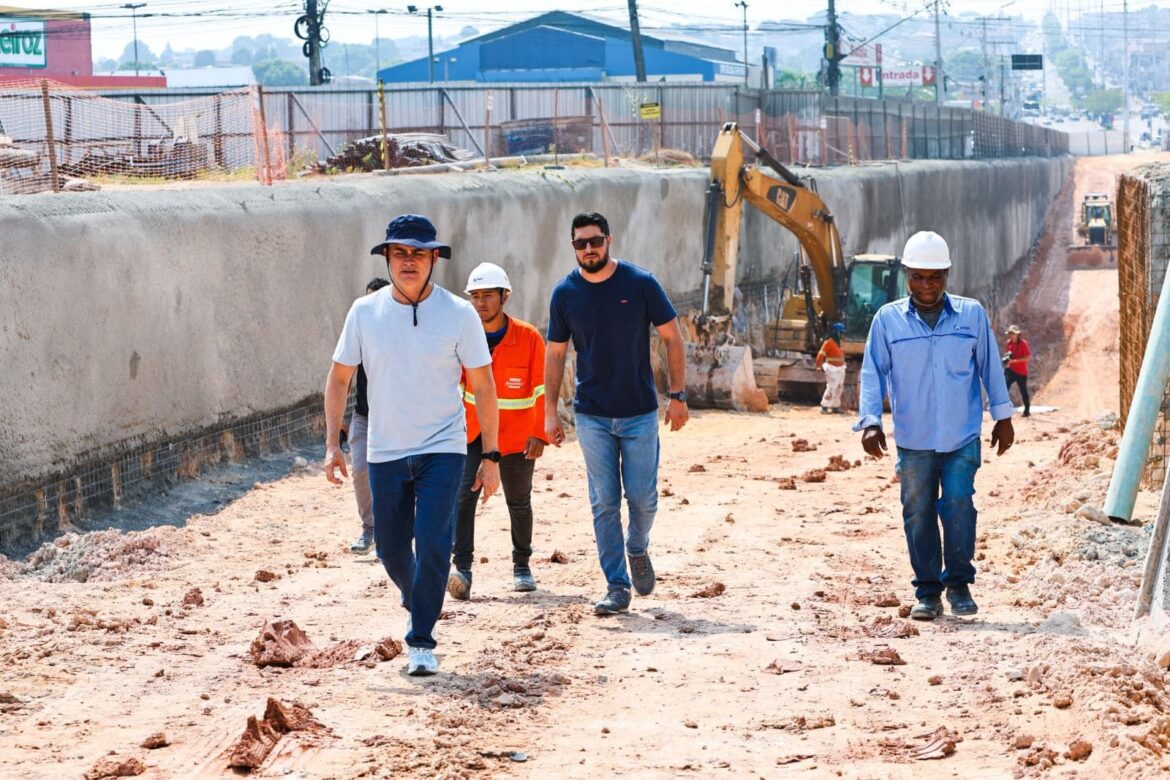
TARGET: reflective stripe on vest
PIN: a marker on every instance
(511, 404)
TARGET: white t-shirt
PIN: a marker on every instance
(416, 407)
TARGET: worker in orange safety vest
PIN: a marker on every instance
(518, 368)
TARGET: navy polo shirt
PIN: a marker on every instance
(609, 323)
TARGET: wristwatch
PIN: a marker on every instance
(494, 456)
(681, 395)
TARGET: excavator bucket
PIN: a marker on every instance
(1091, 255)
(723, 378)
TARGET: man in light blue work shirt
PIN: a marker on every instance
(932, 353)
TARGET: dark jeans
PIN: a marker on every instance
(922, 473)
(414, 510)
(516, 480)
(1022, 380)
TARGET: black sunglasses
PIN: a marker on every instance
(595, 242)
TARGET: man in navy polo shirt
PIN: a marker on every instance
(607, 306)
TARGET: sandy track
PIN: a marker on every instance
(772, 675)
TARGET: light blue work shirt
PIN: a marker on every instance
(932, 376)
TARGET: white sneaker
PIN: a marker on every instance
(422, 662)
(409, 625)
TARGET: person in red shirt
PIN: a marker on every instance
(518, 368)
(1015, 365)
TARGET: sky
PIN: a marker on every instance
(213, 24)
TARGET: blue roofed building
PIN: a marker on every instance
(564, 47)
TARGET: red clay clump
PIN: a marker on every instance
(281, 643)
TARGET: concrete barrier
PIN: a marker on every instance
(130, 317)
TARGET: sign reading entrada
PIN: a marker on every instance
(22, 43)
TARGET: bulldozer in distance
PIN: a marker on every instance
(1096, 233)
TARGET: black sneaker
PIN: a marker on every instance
(522, 579)
(927, 608)
(459, 584)
(642, 573)
(961, 602)
(617, 600)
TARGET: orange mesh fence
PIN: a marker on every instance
(55, 137)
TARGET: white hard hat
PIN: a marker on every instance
(488, 276)
(926, 251)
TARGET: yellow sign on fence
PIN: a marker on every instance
(650, 110)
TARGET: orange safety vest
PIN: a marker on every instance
(518, 368)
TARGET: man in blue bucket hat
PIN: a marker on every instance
(412, 338)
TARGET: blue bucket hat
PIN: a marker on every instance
(412, 230)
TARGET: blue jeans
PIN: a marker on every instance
(620, 452)
(414, 502)
(922, 473)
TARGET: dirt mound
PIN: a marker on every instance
(113, 766)
(711, 591)
(260, 736)
(101, 556)
(281, 643)
(1087, 445)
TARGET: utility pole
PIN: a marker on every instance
(431, 10)
(310, 28)
(636, 40)
(985, 68)
(939, 84)
(743, 4)
(134, 22)
(377, 42)
(1125, 70)
(833, 50)
(1101, 45)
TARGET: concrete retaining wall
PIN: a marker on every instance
(128, 317)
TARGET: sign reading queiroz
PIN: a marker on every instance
(22, 43)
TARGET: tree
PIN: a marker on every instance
(1162, 101)
(965, 66)
(144, 54)
(242, 56)
(168, 56)
(204, 58)
(791, 79)
(280, 73)
(1103, 101)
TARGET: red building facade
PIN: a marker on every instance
(54, 45)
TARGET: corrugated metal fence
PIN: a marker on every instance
(804, 127)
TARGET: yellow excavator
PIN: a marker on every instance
(721, 372)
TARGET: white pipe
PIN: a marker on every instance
(1143, 414)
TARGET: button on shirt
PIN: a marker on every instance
(932, 377)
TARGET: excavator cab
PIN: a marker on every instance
(874, 281)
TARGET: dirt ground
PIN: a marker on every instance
(773, 644)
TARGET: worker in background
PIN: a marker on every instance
(359, 423)
(1015, 365)
(933, 354)
(607, 307)
(831, 359)
(412, 338)
(518, 368)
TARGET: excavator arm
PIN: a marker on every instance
(784, 198)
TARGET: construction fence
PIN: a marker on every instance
(57, 137)
(1143, 255)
